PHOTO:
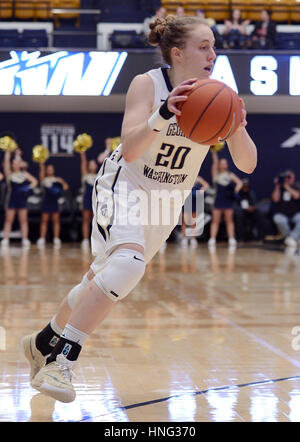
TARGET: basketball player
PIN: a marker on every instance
(53, 187)
(20, 183)
(88, 176)
(153, 155)
(227, 185)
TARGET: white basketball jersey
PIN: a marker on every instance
(172, 161)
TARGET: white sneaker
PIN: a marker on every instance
(290, 242)
(212, 242)
(33, 355)
(232, 242)
(184, 243)
(194, 243)
(5, 243)
(163, 247)
(54, 380)
(85, 244)
(41, 242)
(26, 243)
(57, 243)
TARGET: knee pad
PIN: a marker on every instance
(73, 294)
(123, 270)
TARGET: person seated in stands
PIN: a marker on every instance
(264, 33)
(160, 12)
(212, 24)
(180, 12)
(235, 32)
(248, 218)
(286, 207)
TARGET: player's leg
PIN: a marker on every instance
(9, 219)
(229, 221)
(86, 225)
(121, 273)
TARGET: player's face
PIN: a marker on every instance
(199, 54)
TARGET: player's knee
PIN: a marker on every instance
(122, 272)
(73, 294)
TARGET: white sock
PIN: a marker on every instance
(73, 334)
(55, 327)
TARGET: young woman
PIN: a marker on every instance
(235, 32)
(189, 213)
(88, 176)
(154, 155)
(227, 184)
(52, 190)
(20, 183)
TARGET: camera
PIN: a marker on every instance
(282, 177)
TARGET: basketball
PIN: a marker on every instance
(211, 114)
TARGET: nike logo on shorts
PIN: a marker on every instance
(138, 258)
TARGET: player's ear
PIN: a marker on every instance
(176, 54)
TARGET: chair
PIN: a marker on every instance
(24, 10)
(6, 9)
(124, 39)
(66, 4)
(295, 11)
(43, 9)
(242, 5)
(9, 38)
(280, 10)
(255, 7)
(218, 10)
(34, 38)
(288, 40)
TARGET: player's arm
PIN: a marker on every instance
(140, 128)
(242, 148)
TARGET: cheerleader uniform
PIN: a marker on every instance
(224, 191)
(87, 184)
(52, 189)
(18, 191)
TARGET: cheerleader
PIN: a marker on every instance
(20, 184)
(53, 188)
(227, 185)
(88, 176)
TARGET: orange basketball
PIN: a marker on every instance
(211, 114)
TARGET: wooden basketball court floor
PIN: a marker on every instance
(204, 337)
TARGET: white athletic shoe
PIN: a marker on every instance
(26, 243)
(184, 243)
(194, 243)
(5, 243)
(57, 243)
(41, 242)
(212, 243)
(33, 355)
(290, 242)
(54, 380)
(232, 242)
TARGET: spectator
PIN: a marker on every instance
(286, 207)
(180, 12)
(212, 24)
(235, 32)
(159, 13)
(248, 217)
(264, 34)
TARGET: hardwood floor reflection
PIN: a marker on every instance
(206, 336)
